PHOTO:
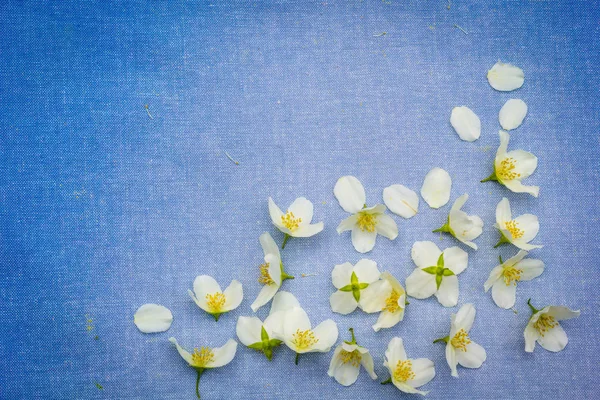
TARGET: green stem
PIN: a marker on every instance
(443, 228)
(297, 355)
(286, 237)
(388, 380)
(284, 276)
(500, 259)
(492, 177)
(502, 240)
(442, 339)
(199, 371)
(533, 309)
(353, 337)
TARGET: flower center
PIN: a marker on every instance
(391, 303)
(351, 357)
(202, 357)
(215, 301)
(515, 231)
(544, 324)
(403, 371)
(304, 339)
(265, 277)
(366, 222)
(461, 340)
(511, 275)
(507, 169)
(290, 221)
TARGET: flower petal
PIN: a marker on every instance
(464, 317)
(436, 188)
(368, 364)
(307, 230)
(366, 271)
(561, 313)
(275, 213)
(294, 319)
(350, 193)
(512, 114)
(327, 333)
(223, 355)
(153, 318)
(406, 388)
(504, 295)
(274, 268)
(531, 335)
(425, 254)
(342, 302)
(347, 224)
(447, 294)
(373, 297)
(395, 352)
(386, 227)
(182, 352)
(502, 149)
(451, 359)
(346, 373)
(456, 259)
(268, 245)
(525, 163)
(473, 357)
(505, 77)
(341, 275)
(204, 285)
(387, 319)
(424, 371)
(420, 284)
(495, 274)
(302, 208)
(264, 296)
(517, 187)
(531, 268)
(401, 200)
(234, 294)
(503, 213)
(283, 301)
(248, 330)
(466, 124)
(530, 226)
(554, 339)
(363, 241)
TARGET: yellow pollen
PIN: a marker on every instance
(515, 231)
(290, 221)
(215, 301)
(512, 275)
(403, 371)
(265, 277)
(351, 357)
(461, 340)
(202, 357)
(507, 169)
(391, 304)
(544, 324)
(366, 222)
(304, 339)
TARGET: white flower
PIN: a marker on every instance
(153, 318)
(460, 349)
(365, 223)
(350, 281)
(510, 168)
(436, 272)
(512, 114)
(462, 226)
(543, 327)
(505, 77)
(401, 200)
(346, 361)
(436, 188)
(208, 295)
(271, 272)
(207, 358)
(503, 278)
(388, 297)
(466, 123)
(296, 220)
(519, 231)
(407, 374)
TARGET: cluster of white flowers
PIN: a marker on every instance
(363, 286)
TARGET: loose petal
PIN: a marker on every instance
(401, 200)
(350, 193)
(512, 114)
(153, 318)
(465, 123)
(436, 188)
(505, 77)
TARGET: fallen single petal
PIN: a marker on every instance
(505, 77)
(436, 188)
(512, 114)
(153, 318)
(401, 200)
(465, 123)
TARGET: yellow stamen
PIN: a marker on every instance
(215, 301)
(507, 169)
(403, 371)
(366, 222)
(512, 275)
(200, 358)
(265, 277)
(544, 324)
(515, 231)
(461, 340)
(351, 357)
(391, 303)
(304, 339)
(290, 221)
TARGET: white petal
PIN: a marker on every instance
(531, 268)
(502, 149)
(327, 333)
(342, 302)
(275, 213)
(562, 313)
(224, 354)
(341, 275)
(386, 227)
(153, 318)
(495, 274)
(248, 330)
(447, 294)
(420, 284)
(182, 352)
(350, 193)
(234, 295)
(530, 226)
(424, 371)
(387, 319)
(425, 254)
(268, 245)
(373, 297)
(395, 352)
(347, 224)
(363, 241)
(264, 296)
(517, 187)
(465, 123)
(283, 301)
(451, 359)
(366, 271)
(336, 361)
(346, 373)
(473, 357)
(274, 325)
(464, 317)
(307, 230)
(525, 163)
(465, 227)
(406, 388)
(512, 114)
(294, 319)
(456, 259)
(204, 285)
(401, 200)
(274, 268)
(302, 208)
(505, 77)
(436, 188)
(504, 295)
(531, 336)
(503, 213)
(368, 364)
(554, 340)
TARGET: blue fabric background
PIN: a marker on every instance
(103, 209)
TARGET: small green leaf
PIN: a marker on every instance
(347, 288)
(440, 261)
(430, 270)
(438, 280)
(447, 272)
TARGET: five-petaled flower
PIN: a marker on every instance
(518, 231)
(346, 361)
(543, 327)
(351, 281)
(511, 167)
(436, 272)
(503, 278)
(388, 298)
(407, 374)
(208, 295)
(296, 221)
(460, 349)
(365, 222)
(462, 226)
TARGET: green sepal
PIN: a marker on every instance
(388, 380)
(438, 280)
(502, 240)
(492, 177)
(263, 334)
(347, 288)
(355, 287)
(256, 346)
(284, 276)
(447, 272)
(533, 309)
(442, 339)
(500, 259)
(216, 315)
(430, 270)
(444, 228)
(440, 261)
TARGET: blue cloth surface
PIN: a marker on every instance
(104, 208)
